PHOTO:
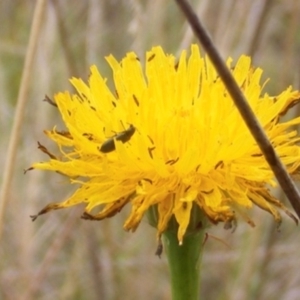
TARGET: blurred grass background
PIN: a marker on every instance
(61, 256)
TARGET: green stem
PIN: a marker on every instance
(184, 263)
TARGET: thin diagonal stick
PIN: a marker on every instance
(20, 108)
(241, 103)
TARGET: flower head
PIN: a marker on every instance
(171, 137)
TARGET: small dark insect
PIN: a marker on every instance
(124, 136)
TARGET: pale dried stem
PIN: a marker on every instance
(11, 154)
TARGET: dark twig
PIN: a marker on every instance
(241, 103)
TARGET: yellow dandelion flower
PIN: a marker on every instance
(170, 137)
